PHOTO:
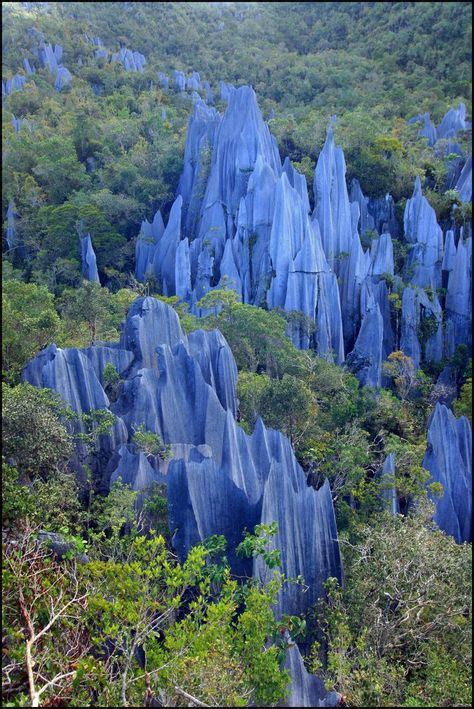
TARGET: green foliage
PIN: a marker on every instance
(33, 435)
(392, 629)
(29, 323)
(150, 443)
(463, 405)
(93, 313)
(256, 545)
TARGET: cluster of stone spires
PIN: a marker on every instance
(242, 214)
(443, 139)
(50, 58)
(220, 480)
(244, 217)
(131, 60)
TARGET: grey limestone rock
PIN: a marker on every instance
(458, 297)
(382, 211)
(145, 245)
(428, 129)
(416, 306)
(63, 78)
(150, 323)
(226, 91)
(211, 351)
(88, 259)
(27, 66)
(449, 460)
(305, 690)
(131, 60)
(179, 81)
(464, 183)
(11, 231)
(332, 207)
(164, 80)
(453, 121)
(365, 360)
(16, 83)
(220, 480)
(366, 220)
(389, 490)
(423, 233)
(381, 256)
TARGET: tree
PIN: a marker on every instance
(403, 614)
(463, 404)
(43, 604)
(34, 436)
(402, 370)
(30, 323)
(95, 307)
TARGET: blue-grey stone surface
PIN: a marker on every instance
(164, 80)
(305, 689)
(449, 461)
(464, 183)
(388, 487)
(332, 206)
(179, 81)
(220, 480)
(88, 259)
(365, 360)
(425, 237)
(453, 121)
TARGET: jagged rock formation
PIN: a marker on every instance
(453, 122)
(449, 460)
(458, 296)
(240, 214)
(421, 326)
(428, 130)
(16, 83)
(88, 259)
(388, 488)
(220, 479)
(242, 218)
(464, 182)
(51, 60)
(164, 80)
(423, 263)
(305, 689)
(131, 61)
(11, 232)
(332, 207)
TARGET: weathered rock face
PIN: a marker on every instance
(366, 219)
(458, 296)
(448, 459)
(365, 360)
(88, 259)
(305, 689)
(423, 233)
(388, 488)
(332, 207)
(241, 218)
(421, 326)
(131, 61)
(244, 218)
(16, 83)
(453, 121)
(220, 479)
(464, 183)
(428, 130)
